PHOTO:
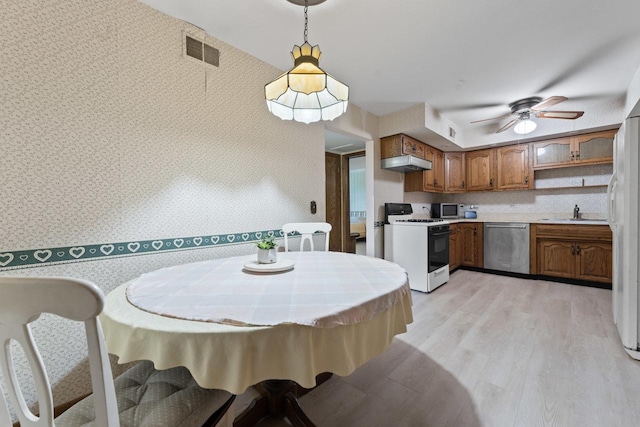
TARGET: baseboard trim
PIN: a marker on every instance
(586, 283)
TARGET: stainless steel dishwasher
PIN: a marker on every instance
(506, 246)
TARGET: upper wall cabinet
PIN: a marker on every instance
(513, 168)
(399, 145)
(480, 170)
(586, 149)
(454, 172)
(431, 181)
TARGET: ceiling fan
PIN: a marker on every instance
(535, 106)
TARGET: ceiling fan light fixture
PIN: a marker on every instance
(525, 126)
(306, 93)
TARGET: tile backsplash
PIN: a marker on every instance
(556, 193)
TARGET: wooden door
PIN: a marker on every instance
(556, 258)
(333, 194)
(513, 170)
(480, 170)
(454, 172)
(594, 261)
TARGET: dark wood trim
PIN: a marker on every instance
(333, 198)
(344, 208)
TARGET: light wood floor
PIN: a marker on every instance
(487, 350)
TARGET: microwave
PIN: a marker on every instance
(446, 210)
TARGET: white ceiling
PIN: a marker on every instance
(341, 144)
(467, 59)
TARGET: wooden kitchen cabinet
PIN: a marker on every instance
(454, 172)
(586, 149)
(454, 247)
(556, 258)
(480, 170)
(399, 145)
(513, 168)
(594, 148)
(594, 261)
(470, 235)
(438, 171)
(582, 252)
(430, 181)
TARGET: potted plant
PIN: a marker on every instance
(267, 253)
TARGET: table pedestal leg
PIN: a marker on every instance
(278, 401)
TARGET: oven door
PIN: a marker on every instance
(438, 254)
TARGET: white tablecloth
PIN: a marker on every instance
(233, 358)
(325, 289)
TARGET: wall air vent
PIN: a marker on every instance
(201, 51)
(452, 132)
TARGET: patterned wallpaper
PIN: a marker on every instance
(110, 137)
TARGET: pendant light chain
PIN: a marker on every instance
(306, 20)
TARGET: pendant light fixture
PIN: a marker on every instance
(306, 93)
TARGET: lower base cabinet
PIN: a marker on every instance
(581, 252)
(454, 247)
(471, 243)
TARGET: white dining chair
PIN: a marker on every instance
(306, 230)
(142, 396)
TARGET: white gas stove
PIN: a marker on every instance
(419, 245)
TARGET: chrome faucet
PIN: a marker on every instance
(575, 212)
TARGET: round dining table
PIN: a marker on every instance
(234, 326)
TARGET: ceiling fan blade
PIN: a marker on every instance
(569, 115)
(493, 118)
(508, 125)
(454, 108)
(545, 103)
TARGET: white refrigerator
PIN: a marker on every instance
(622, 197)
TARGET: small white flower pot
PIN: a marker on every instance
(267, 256)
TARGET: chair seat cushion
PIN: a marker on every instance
(151, 398)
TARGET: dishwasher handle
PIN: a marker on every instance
(518, 226)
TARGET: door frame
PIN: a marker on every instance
(346, 198)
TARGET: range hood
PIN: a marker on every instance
(406, 164)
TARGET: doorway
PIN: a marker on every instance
(357, 201)
(344, 163)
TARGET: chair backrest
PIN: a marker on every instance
(22, 300)
(306, 230)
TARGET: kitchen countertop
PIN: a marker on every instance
(532, 219)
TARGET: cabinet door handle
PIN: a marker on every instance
(462, 184)
(573, 155)
(573, 250)
(578, 250)
(491, 182)
(526, 180)
(475, 230)
(577, 155)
